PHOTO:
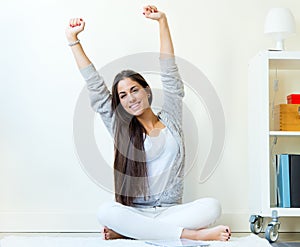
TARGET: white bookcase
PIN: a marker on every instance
(265, 69)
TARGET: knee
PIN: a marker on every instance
(103, 213)
(214, 208)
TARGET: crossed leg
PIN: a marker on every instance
(219, 233)
(190, 220)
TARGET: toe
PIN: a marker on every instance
(105, 229)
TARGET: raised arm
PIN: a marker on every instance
(76, 25)
(166, 44)
(172, 83)
(99, 94)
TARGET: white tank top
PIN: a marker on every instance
(161, 152)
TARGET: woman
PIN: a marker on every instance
(149, 150)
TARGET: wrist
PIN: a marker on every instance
(163, 19)
(74, 43)
(72, 38)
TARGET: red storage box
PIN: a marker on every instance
(293, 99)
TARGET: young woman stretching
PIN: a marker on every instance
(149, 150)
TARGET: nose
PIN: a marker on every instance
(131, 97)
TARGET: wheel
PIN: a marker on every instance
(256, 224)
(272, 233)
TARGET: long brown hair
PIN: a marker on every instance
(130, 170)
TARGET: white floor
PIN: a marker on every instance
(92, 240)
(283, 237)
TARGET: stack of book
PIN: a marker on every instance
(288, 180)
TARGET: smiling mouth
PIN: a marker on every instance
(135, 106)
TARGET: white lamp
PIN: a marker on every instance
(280, 24)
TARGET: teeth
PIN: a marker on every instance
(134, 105)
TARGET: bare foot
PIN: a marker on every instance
(219, 233)
(111, 234)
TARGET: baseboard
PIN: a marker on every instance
(87, 222)
(49, 222)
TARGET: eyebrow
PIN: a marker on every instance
(122, 92)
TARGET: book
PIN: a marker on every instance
(177, 243)
(273, 181)
(283, 181)
(295, 180)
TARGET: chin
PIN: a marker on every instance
(137, 113)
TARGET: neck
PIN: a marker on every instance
(148, 119)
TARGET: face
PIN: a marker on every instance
(133, 97)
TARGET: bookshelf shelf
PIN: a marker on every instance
(288, 212)
(284, 133)
(263, 142)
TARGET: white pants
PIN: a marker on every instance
(159, 222)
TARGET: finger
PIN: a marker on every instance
(147, 14)
(154, 16)
(144, 10)
(150, 9)
(153, 8)
(77, 22)
(82, 22)
(73, 22)
(147, 10)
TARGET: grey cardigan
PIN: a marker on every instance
(170, 116)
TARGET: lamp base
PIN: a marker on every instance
(279, 45)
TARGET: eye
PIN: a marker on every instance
(122, 96)
(135, 90)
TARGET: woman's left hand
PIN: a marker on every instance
(151, 12)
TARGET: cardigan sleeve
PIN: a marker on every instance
(173, 89)
(100, 96)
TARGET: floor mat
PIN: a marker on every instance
(18, 241)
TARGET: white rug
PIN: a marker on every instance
(17, 241)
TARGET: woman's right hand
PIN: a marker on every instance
(76, 25)
(151, 12)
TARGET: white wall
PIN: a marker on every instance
(42, 184)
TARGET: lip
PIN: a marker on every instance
(135, 106)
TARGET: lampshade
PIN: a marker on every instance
(280, 23)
